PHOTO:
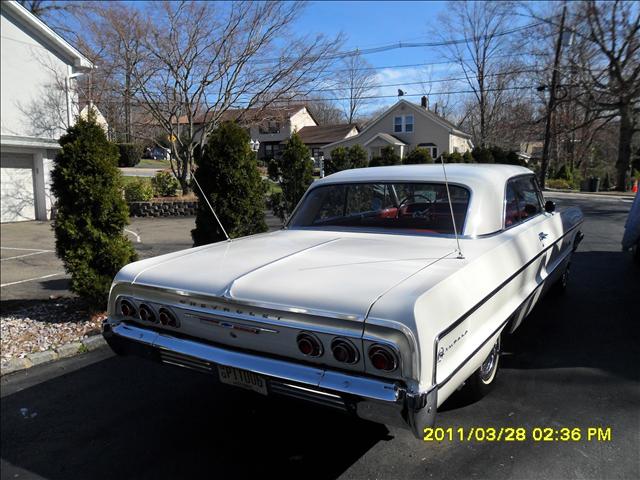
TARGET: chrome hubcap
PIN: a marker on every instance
(491, 363)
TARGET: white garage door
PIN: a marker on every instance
(18, 200)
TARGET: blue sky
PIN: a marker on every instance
(367, 24)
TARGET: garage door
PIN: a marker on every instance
(18, 200)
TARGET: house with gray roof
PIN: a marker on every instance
(405, 126)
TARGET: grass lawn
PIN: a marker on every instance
(149, 163)
(128, 180)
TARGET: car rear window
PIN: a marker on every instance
(416, 207)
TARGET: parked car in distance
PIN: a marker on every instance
(388, 289)
(157, 153)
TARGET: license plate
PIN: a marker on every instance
(242, 379)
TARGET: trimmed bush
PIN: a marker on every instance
(91, 213)
(165, 184)
(138, 190)
(358, 157)
(345, 158)
(294, 171)
(228, 174)
(467, 157)
(418, 156)
(130, 154)
(482, 155)
(388, 156)
(454, 157)
(339, 161)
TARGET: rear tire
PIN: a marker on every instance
(561, 284)
(481, 382)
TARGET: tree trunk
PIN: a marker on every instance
(624, 147)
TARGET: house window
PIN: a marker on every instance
(316, 152)
(408, 123)
(397, 125)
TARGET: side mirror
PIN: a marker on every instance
(549, 206)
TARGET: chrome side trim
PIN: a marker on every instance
(478, 305)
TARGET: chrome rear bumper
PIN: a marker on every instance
(378, 400)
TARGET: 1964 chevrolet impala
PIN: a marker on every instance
(388, 289)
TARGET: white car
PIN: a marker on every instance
(370, 300)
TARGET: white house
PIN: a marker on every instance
(38, 71)
(406, 126)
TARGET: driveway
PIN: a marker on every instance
(30, 269)
(574, 363)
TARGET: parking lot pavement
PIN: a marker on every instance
(30, 269)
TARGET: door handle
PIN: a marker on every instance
(542, 235)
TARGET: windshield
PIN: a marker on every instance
(417, 207)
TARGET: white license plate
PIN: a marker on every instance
(242, 379)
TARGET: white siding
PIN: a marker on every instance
(29, 72)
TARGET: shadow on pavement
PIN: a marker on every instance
(127, 418)
(593, 324)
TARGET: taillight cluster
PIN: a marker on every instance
(145, 312)
(344, 351)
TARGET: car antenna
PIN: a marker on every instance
(453, 218)
(206, 199)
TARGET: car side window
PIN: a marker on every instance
(522, 200)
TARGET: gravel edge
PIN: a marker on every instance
(64, 351)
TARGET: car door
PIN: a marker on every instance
(525, 221)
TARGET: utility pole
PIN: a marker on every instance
(544, 167)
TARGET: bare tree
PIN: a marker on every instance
(608, 69)
(325, 112)
(481, 57)
(356, 81)
(202, 58)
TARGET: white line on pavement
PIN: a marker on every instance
(31, 279)
(26, 249)
(134, 234)
(26, 255)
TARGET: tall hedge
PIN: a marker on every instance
(294, 171)
(228, 174)
(91, 213)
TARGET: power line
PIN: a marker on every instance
(400, 45)
(372, 97)
(427, 64)
(422, 82)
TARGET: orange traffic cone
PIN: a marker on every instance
(634, 189)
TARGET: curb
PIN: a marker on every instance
(12, 365)
(612, 195)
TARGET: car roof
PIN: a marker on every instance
(470, 174)
(486, 182)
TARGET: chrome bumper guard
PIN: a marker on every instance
(377, 400)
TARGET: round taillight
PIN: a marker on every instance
(383, 358)
(167, 318)
(344, 351)
(147, 314)
(309, 345)
(127, 309)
